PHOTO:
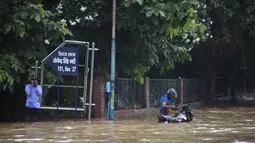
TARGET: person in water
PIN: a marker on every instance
(166, 104)
(33, 92)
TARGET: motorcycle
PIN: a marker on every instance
(185, 115)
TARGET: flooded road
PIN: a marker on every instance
(228, 125)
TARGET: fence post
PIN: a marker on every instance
(99, 97)
(147, 91)
(201, 88)
(179, 85)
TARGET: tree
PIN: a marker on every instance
(150, 33)
(230, 48)
(27, 34)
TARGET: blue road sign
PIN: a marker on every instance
(64, 61)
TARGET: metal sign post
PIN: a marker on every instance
(110, 113)
(64, 61)
(36, 69)
(86, 70)
(91, 80)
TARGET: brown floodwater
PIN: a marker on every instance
(211, 125)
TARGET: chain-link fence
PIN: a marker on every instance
(129, 94)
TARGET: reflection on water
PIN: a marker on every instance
(232, 125)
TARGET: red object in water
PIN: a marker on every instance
(161, 118)
(180, 119)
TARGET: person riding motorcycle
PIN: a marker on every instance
(166, 104)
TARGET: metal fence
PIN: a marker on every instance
(244, 88)
(158, 87)
(129, 94)
(190, 90)
(221, 87)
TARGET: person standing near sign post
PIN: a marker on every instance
(33, 92)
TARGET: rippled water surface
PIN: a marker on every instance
(229, 125)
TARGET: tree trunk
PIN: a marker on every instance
(210, 87)
(233, 91)
(244, 84)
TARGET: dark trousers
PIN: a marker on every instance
(31, 112)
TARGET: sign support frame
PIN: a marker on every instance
(85, 74)
(58, 95)
(91, 80)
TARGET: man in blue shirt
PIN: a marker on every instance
(33, 92)
(166, 104)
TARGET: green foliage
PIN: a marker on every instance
(233, 30)
(163, 31)
(137, 72)
(154, 33)
(9, 65)
(80, 13)
(231, 48)
(27, 32)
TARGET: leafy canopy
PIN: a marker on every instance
(153, 32)
(165, 31)
(27, 31)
